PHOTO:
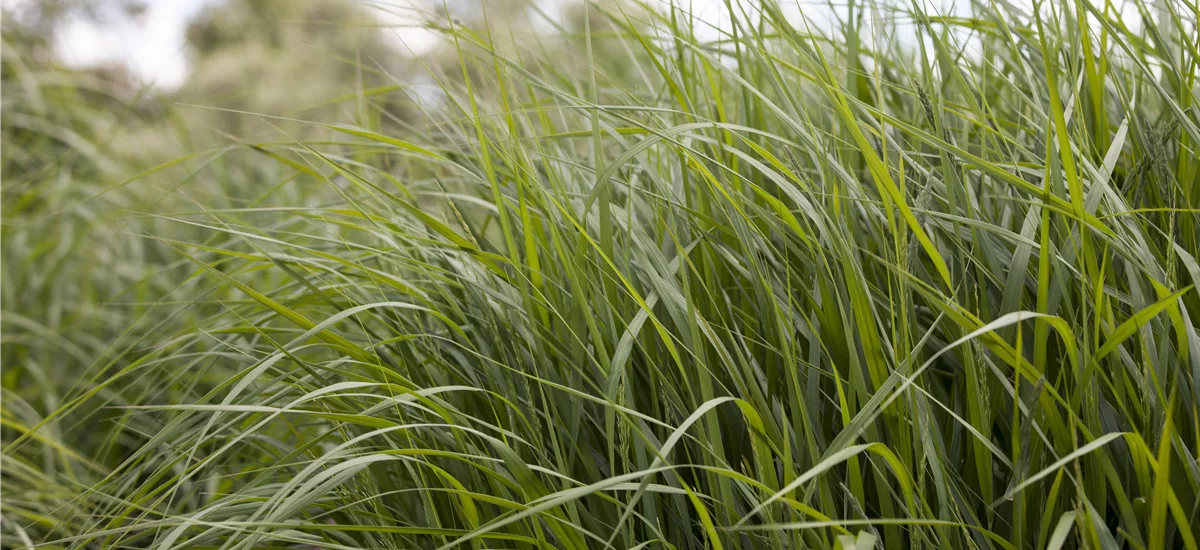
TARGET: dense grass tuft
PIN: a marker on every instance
(915, 279)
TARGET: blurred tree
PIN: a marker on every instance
(285, 57)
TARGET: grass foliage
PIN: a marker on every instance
(910, 280)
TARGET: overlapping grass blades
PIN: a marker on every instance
(803, 284)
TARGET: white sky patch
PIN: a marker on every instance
(404, 26)
(152, 45)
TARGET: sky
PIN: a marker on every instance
(152, 45)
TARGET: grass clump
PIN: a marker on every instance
(914, 279)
